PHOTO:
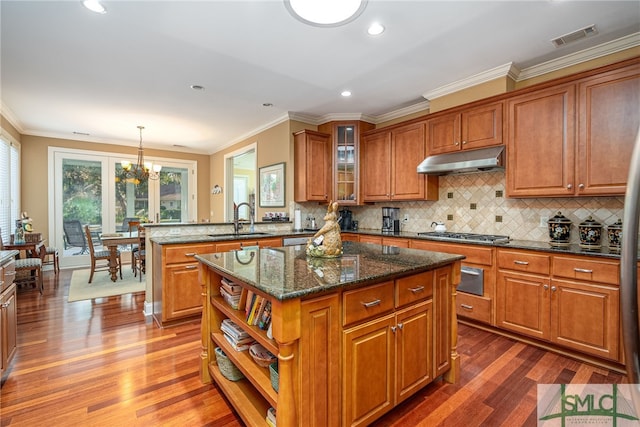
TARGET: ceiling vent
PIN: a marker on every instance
(575, 36)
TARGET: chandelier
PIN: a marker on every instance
(141, 170)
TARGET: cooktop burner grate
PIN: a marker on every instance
(470, 237)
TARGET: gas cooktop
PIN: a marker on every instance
(465, 237)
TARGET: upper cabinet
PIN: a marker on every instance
(312, 167)
(575, 138)
(389, 159)
(346, 159)
(467, 129)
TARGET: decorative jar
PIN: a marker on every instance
(614, 232)
(559, 230)
(590, 233)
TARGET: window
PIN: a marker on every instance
(9, 185)
(240, 179)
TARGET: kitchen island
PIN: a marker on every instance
(354, 336)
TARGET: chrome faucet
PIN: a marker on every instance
(236, 218)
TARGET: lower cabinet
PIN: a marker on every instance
(569, 301)
(8, 316)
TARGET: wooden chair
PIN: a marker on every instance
(30, 265)
(133, 225)
(139, 256)
(51, 257)
(99, 259)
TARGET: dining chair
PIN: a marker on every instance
(74, 236)
(139, 256)
(99, 259)
(30, 265)
(52, 257)
(133, 225)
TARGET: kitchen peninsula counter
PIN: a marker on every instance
(379, 318)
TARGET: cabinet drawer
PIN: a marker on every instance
(414, 288)
(587, 269)
(361, 304)
(524, 261)
(8, 273)
(473, 307)
(475, 254)
(185, 253)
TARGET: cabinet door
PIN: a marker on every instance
(376, 167)
(442, 309)
(586, 317)
(482, 126)
(414, 349)
(541, 143)
(8, 326)
(182, 292)
(609, 117)
(522, 304)
(368, 371)
(443, 134)
(312, 157)
(408, 151)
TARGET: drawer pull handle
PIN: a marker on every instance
(190, 267)
(520, 262)
(466, 306)
(469, 272)
(372, 303)
(582, 270)
(417, 289)
(190, 254)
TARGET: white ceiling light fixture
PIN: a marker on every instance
(325, 13)
(346, 93)
(94, 6)
(142, 170)
(375, 29)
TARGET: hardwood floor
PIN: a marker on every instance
(102, 363)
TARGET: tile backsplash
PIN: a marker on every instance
(475, 203)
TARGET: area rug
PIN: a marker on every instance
(102, 286)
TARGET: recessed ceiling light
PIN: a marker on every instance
(94, 6)
(325, 13)
(375, 29)
(80, 133)
(197, 87)
(346, 93)
(267, 104)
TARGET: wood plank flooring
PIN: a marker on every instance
(102, 363)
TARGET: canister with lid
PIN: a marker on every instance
(614, 232)
(559, 230)
(590, 233)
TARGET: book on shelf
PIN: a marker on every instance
(258, 315)
(231, 287)
(271, 417)
(232, 329)
(248, 303)
(253, 311)
(265, 316)
(239, 345)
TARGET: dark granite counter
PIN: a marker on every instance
(286, 272)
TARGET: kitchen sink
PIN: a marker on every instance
(241, 235)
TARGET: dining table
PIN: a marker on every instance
(112, 241)
(30, 249)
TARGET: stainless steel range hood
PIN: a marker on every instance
(480, 160)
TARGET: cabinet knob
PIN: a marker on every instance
(400, 325)
(553, 289)
(456, 143)
(464, 142)
(393, 329)
(545, 287)
(581, 186)
(569, 186)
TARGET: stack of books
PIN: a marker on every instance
(271, 417)
(231, 292)
(258, 311)
(239, 339)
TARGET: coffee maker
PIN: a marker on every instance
(346, 217)
(391, 220)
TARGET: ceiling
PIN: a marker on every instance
(70, 73)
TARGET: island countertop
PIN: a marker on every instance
(287, 272)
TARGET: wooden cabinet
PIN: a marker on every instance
(346, 159)
(389, 160)
(476, 127)
(176, 289)
(575, 138)
(8, 316)
(387, 241)
(312, 166)
(571, 301)
(389, 356)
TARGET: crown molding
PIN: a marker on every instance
(618, 45)
(8, 114)
(404, 111)
(507, 69)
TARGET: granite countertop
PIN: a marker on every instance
(286, 272)
(6, 255)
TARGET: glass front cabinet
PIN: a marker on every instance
(346, 138)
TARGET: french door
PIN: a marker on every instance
(89, 188)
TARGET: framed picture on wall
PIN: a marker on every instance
(272, 179)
